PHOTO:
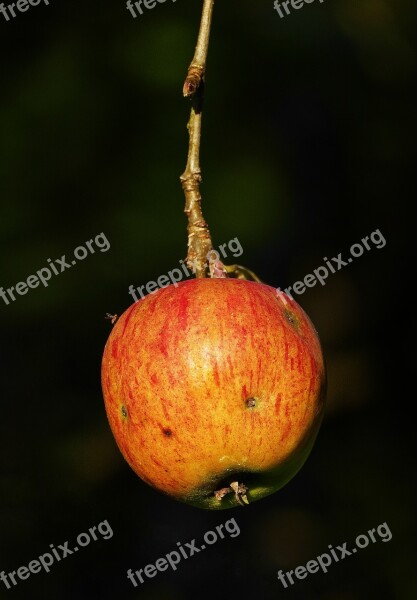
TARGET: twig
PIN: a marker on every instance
(199, 239)
(197, 68)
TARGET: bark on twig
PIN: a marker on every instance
(199, 239)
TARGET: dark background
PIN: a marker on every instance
(307, 143)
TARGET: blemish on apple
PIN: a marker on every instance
(292, 319)
(250, 403)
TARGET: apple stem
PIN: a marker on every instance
(199, 239)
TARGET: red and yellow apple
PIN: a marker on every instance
(214, 382)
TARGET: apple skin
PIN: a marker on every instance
(214, 381)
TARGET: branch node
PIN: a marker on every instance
(193, 80)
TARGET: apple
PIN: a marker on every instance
(214, 390)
